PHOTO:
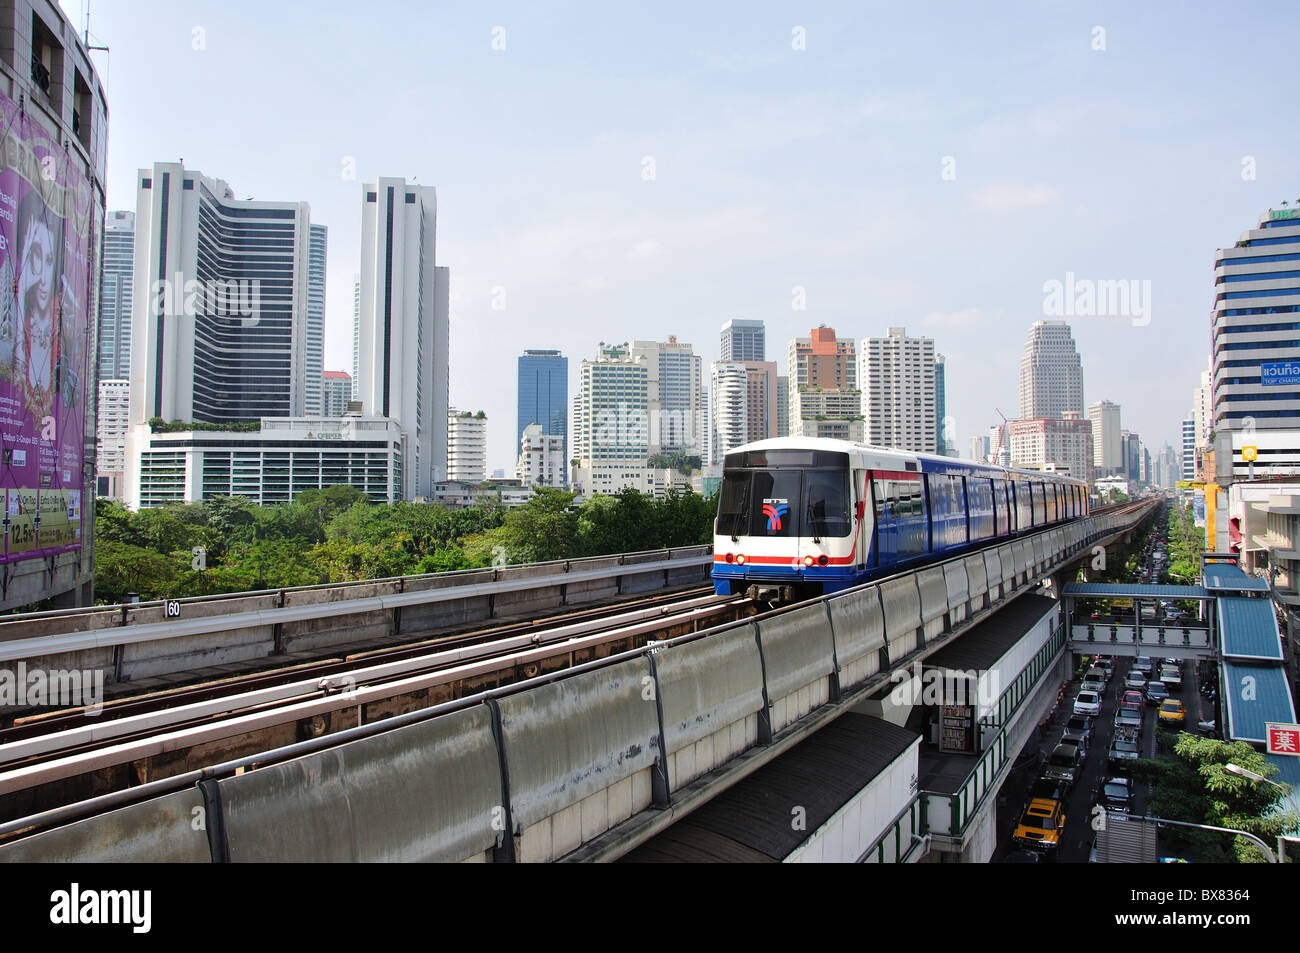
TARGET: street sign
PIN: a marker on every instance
(1249, 454)
(1283, 739)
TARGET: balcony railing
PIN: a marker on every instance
(40, 75)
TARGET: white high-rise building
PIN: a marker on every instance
(979, 449)
(541, 458)
(216, 345)
(729, 389)
(675, 389)
(1051, 374)
(113, 419)
(1060, 443)
(115, 297)
(1107, 453)
(318, 241)
(402, 362)
(899, 401)
(356, 331)
(611, 422)
(466, 446)
(1203, 407)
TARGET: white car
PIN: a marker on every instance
(1088, 703)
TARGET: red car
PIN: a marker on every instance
(1132, 700)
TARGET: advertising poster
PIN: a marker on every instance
(45, 242)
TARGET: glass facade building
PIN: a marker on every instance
(543, 393)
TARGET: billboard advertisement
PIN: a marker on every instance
(1279, 373)
(46, 236)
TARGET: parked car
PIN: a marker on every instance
(1156, 693)
(1088, 703)
(1063, 764)
(1171, 677)
(1171, 710)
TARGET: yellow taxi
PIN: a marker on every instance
(1041, 825)
(1171, 710)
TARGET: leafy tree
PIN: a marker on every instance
(121, 568)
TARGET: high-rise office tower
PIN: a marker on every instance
(611, 413)
(318, 239)
(782, 405)
(899, 387)
(336, 392)
(543, 393)
(1256, 299)
(743, 340)
(1188, 459)
(402, 362)
(116, 283)
(466, 446)
(729, 390)
(941, 406)
(219, 318)
(760, 402)
(824, 397)
(1203, 406)
(675, 381)
(1051, 374)
(979, 448)
(1107, 454)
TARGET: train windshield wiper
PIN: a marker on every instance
(742, 518)
(812, 523)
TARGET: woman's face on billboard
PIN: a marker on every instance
(40, 265)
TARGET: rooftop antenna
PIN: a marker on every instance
(86, 33)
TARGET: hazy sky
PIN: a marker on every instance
(631, 171)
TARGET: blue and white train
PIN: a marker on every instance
(822, 515)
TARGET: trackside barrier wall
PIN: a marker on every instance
(977, 580)
(993, 573)
(934, 600)
(711, 693)
(859, 625)
(902, 604)
(579, 756)
(161, 830)
(798, 658)
(958, 590)
(430, 791)
(1007, 557)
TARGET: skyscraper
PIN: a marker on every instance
(336, 392)
(356, 331)
(899, 387)
(783, 405)
(1188, 462)
(115, 297)
(1061, 442)
(543, 394)
(314, 400)
(729, 390)
(611, 414)
(402, 362)
(1256, 299)
(675, 382)
(824, 397)
(743, 340)
(941, 406)
(1107, 454)
(1051, 374)
(208, 342)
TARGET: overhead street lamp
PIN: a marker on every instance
(1249, 775)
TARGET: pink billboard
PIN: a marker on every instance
(46, 233)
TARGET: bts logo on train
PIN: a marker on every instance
(805, 516)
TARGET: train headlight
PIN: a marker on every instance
(808, 560)
(740, 559)
(730, 558)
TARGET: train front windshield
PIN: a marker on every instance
(785, 493)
